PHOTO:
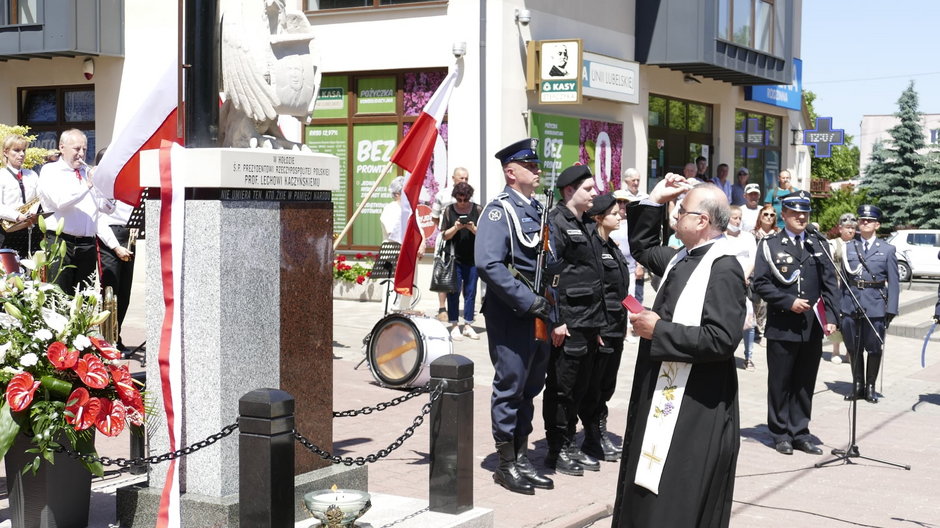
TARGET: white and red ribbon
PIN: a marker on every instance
(170, 355)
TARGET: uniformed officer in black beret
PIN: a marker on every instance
(871, 268)
(508, 238)
(593, 412)
(581, 315)
(791, 274)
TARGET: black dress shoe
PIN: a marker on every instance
(807, 447)
(858, 392)
(870, 395)
(784, 447)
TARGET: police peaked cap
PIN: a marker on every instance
(797, 201)
(573, 175)
(525, 151)
(601, 204)
(870, 212)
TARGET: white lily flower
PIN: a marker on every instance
(54, 320)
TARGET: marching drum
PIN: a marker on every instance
(9, 261)
(401, 348)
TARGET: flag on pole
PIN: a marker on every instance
(118, 174)
(414, 155)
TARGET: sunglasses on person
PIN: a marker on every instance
(769, 215)
(462, 199)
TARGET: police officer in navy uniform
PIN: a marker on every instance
(581, 315)
(508, 239)
(791, 274)
(871, 268)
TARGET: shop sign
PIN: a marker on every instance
(559, 68)
(823, 137)
(785, 96)
(609, 78)
(376, 95)
(333, 98)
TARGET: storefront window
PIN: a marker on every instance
(360, 119)
(679, 132)
(757, 146)
(50, 110)
(314, 5)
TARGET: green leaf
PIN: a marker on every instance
(9, 428)
(85, 444)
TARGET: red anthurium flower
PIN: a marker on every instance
(105, 349)
(135, 408)
(111, 417)
(81, 409)
(20, 391)
(123, 382)
(91, 371)
(60, 356)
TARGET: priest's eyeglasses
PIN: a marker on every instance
(683, 212)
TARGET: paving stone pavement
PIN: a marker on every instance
(771, 490)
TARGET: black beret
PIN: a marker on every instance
(525, 150)
(869, 211)
(601, 204)
(572, 175)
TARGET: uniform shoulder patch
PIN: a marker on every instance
(495, 215)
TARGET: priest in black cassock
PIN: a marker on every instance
(682, 438)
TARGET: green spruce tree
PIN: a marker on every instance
(926, 196)
(893, 182)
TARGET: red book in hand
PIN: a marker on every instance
(632, 305)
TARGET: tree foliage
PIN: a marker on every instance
(826, 211)
(904, 179)
(843, 164)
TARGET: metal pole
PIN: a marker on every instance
(266, 459)
(202, 73)
(451, 470)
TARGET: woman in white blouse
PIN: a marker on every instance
(18, 186)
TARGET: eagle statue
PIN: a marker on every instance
(269, 68)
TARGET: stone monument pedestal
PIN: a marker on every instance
(256, 311)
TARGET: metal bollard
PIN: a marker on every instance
(138, 442)
(451, 471)
(266, 459)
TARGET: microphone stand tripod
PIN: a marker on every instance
(846, 455)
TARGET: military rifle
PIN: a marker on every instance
(541, 261)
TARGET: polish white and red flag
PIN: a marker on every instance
(118, 174)
(414, 154)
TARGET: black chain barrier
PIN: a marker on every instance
(127, 463)
(384, 405)
(381, 453)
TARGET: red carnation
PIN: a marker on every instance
(60, 356)
(20, 391)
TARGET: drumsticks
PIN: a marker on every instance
(395, 352)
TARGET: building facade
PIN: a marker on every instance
(660, 84)
(877, 128)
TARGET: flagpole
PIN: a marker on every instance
(362, 204)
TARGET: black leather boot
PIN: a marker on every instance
(594, 445)
(608, 444)
(586, 461)
(858, 377)
(559, 459)
(525, 467)
(874, 364)
(506, 474)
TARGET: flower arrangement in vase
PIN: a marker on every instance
(60, 380)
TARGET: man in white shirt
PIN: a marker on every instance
(630, 184)
(66, 189)
(751, 208)
(391, 214)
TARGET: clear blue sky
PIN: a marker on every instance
(859, 55)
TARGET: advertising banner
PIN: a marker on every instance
(373, 144)
(333, 100)
(376, 95)
(564, 141)
(333, 139)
